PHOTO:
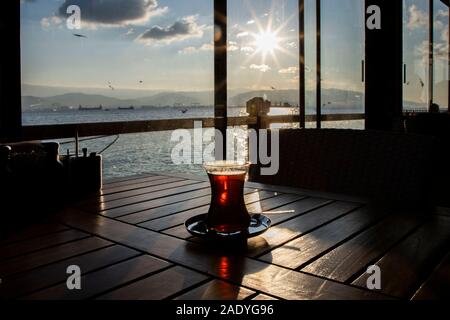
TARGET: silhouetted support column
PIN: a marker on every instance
(220, 72)
(384, 66)
(10, 84)
(318, 64)
(302, 84)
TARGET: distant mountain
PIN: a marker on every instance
(118, 93)
(76, 99)
(73, 100)
(179, 98)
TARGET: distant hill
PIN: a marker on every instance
(333, 100)
(178, 98)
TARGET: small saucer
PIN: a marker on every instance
(197, 227)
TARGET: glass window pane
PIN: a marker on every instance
(441, 54)
(342, 37)
(263, 55)
(415, 55)
(130, 60)
(310, 61)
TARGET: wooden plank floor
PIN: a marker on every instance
(130, 243)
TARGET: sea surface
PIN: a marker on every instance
(146, 152)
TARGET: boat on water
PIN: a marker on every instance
(126, 108)
(81, 108)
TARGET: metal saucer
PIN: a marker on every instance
(197, 227)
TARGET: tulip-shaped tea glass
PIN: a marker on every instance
(227, 212)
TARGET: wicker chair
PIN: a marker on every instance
(392, 169)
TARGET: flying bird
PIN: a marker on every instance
(79, 35)
(110, 86)
(273, 88)
(421, 83)
(141, 81)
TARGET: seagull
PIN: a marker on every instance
(421, 83)
(79, 35)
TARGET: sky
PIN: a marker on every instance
(167, 44)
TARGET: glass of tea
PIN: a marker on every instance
(227, 212)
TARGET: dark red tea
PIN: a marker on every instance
(227, 212)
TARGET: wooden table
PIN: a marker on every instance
(130, 243)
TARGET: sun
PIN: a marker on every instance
(266, 42)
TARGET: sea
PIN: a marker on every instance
(134, 154)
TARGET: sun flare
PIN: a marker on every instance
(266, 42)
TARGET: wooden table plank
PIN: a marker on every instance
(351, 258)
(160, 191)
(128, 178)
(302, 250)
(132, 182)
(305, 221)
(256, 275)
(103, 280)
(217, 290)
(178, 207)
(437, 285)
(33, 231)
(179, 218)
(55, 273)
(179, 232)
(159, 286)
(273, 203)
(133, 194)
(155, 199)
(51, 255)
(184, 186)
(39, 243)
(407, 265)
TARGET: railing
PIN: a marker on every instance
(63, 131)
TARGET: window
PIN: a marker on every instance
(425, 55)
(342, 62)
(131, 60)
(441, 54)
(263, 55)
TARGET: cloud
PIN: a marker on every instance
(180, 30)
(292, 44)
(113, 13)
(242, 34)
(202, 48)
(46, 23)
(232, 48)
(262, 67)
(247, 49)
(290, 70)
(417, 18)
(251, 22)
